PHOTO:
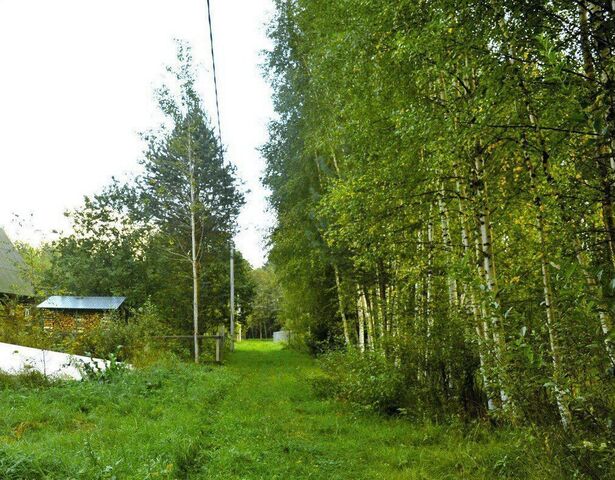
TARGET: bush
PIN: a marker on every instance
(113, 370)
(367, 380)
(20, 325)
(131, 341)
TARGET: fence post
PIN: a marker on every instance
(220, 344)
(221, 333)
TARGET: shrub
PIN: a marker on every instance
(93, 372)
(133, 340)
(367, 380)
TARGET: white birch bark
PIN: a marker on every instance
(361, 320)
(428, 309)
(603, 307)
(478, 316)
(342, 309)
(194, 259)
(369, 320)
(446, 240)
(551, 314)
(490, 277)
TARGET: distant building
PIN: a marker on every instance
(282, 336)
(69, 314)
(13, 281)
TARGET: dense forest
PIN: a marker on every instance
(443, 178)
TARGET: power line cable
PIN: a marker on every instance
(213, 62)
(232, 274)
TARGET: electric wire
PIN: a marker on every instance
(213, 63)
(232, 280)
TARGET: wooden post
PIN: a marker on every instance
(232, 306)
(222, 333)
(220, 344)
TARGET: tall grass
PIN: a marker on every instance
(140, 424)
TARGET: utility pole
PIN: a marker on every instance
(232, 298)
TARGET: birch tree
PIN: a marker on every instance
(458, 155)
(187, 191)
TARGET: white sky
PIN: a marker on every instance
(76, 86)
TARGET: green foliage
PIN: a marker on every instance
(366, 380)
(134, 239)
(20, 325)
(134, 340)
(265, 306)
(94, 373)
(443, 177)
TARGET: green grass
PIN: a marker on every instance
(146, 424)
(255, 418)
(272, 426)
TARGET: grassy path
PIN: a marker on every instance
(254, 418)
(270, 426)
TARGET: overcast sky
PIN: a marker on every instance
(76, 87)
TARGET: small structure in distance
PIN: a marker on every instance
(283, 336)
(71, 314)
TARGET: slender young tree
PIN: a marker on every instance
(186, 189)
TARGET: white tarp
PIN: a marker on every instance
(17, 359)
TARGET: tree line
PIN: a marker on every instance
(162, 238)
(443, 177)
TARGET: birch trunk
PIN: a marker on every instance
(369, 320)
(551, 314)
(428, 309)
(480, 325)
(383, 300)
(419, 285)
(340, 299)
(361, 320)
(603, 307)
(607, 213)
(490, 278)
(607, 209)
(606, 149)
(448, 248)
(194, 259)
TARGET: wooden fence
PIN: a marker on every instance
(220, 338)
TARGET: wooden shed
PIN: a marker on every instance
(70, 314)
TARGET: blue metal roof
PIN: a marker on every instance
(82, 303)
